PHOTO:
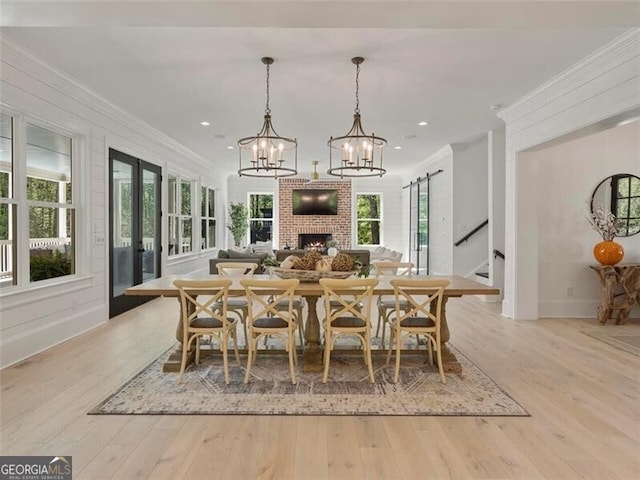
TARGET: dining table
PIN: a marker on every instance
(312, 291)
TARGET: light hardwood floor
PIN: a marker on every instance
(583, 396)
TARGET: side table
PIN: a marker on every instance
(620, 287)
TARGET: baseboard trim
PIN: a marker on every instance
(21, 347)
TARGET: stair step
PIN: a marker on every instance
(483, 274)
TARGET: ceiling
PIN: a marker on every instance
(174, 64)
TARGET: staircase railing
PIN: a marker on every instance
(471, 233)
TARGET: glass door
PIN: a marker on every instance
(419, 226)
(134, 228)
(422, 263)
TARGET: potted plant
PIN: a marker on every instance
(238, 222)
(332, 249)
(270, 262)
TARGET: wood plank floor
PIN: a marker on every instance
(583, 396)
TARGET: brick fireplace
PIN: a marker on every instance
(317, 241)
(291, 226)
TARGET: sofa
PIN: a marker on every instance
(237, 256)
(363, 255)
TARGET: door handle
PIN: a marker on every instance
(140, 250)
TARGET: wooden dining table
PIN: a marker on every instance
(311, 292)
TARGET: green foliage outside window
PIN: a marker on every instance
(149, 201)
(42, 190)
(368, 213)
(48, 265)
(261, 217)
(186, 197)
(43, 222)
(4, 208)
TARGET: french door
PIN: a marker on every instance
(134, 228)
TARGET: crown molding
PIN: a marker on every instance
(624, 48)
(20, 58)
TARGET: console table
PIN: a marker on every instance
(620, 287)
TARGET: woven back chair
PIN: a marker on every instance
(204, 312)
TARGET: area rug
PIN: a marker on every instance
(627, 340)
(348, 391)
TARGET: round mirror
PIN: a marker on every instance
(620, 194)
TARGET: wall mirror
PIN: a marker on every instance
(620, 194)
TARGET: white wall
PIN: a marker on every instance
(33, 319)
(496, 164)
(459, 201)
(440, 209)
(470, 205)
(567, 287)
(599, 87)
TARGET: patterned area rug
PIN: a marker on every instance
(348, 391)
(627, 340)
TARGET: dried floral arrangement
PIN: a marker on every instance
(604, 222)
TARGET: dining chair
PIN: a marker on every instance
(297, 305)
(238, 305)
(204, 312)
(353, 317)
(386, 304)
(268, 318)
(422, 317)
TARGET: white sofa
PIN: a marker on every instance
(384, 254)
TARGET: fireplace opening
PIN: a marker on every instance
(313, 241)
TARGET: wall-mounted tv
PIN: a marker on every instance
(315, 202)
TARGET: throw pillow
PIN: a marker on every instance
(223, 254)
(264, 247)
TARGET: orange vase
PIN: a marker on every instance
(608, 252)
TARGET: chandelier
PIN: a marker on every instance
(360, 155)
(265, 154)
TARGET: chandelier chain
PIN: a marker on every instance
(357, 109)
(267, 110)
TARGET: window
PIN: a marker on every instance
(625, 203)
(369, 218)
(50, 204)
(208, 217)
(180, 216)
(260, 217)
(7, 203)
(186, 218)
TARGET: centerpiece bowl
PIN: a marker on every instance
(309, 275)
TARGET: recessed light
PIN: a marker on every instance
(423, 123)
(229, 147)
(397, 147)
(205, 124)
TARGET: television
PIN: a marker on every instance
(315, 202)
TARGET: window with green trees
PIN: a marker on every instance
(369, 218)
(7, 202)
(208, 217)
(50, 203)
(260, 217)
(180, 215)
